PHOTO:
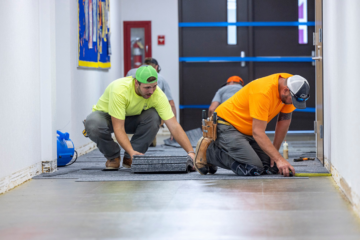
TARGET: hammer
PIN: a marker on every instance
(303, 159)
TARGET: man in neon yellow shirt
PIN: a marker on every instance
(134, 106)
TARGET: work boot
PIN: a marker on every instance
(271, 170)
(113, 163)
(242, 169)
(127, 162)
(201, 164)
(212, 168)
(153, 143)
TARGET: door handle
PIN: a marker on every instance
(242, 54)
(316, 58)
(146, 48)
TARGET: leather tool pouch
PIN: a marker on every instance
(209, 130)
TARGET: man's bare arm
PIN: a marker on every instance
(173, 108)
(179, 135)
(213, 107)
(172, 104)
(265, 144)
(282, 127)
(122, 138)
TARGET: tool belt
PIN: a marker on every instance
(209, 129)
(209, 126)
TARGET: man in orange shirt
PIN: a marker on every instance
(241, 143)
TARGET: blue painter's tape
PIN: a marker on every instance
(293, 132)
(246, 59)
(245, 24)
(310, 110)
(194, 106)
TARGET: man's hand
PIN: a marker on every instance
(135, 153)
(284, 167)
(266, 145)
(192, 155)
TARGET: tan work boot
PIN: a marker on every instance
(113, 163)
(201, 164)
(127, 162)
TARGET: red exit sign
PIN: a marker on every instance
(161, 39)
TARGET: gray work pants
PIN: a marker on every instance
(145, 126)
(238, 152)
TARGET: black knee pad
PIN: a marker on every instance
(241, 169)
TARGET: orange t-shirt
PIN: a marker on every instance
(259, 99)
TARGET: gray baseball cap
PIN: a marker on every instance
(299, 90)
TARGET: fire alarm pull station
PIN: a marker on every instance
(161, 39)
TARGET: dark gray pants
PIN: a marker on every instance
(238, 152)
(145, 126)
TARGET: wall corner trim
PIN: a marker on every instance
(86, 148)
(17, 178)
(345, 188)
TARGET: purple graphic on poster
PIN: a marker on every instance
(303, 29)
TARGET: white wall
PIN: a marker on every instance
(47, 76)
(79, 89)
(163, 15)
(19, 85)
(41, 88)
(342, 84)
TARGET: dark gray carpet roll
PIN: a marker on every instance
(152, 163)
(89, 167)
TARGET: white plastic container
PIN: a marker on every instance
(285, 150)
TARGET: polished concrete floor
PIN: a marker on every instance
(47, 209)
(224, 209)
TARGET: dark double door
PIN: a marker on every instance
(200, 80)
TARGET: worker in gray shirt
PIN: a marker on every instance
(232, 85)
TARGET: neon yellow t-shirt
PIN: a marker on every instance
(120, 100)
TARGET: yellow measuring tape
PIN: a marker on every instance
(313, 174)
(223, 122)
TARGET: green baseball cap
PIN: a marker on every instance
(143, 74)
